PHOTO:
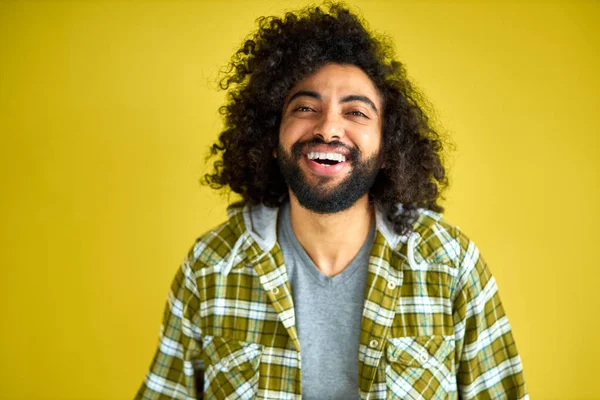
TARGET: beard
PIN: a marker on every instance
(321, 197)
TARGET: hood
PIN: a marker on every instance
(258, 223)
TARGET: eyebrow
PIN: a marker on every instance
(345, 99)
(304, 93)
(364, 99)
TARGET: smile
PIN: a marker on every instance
(324, 166)
(326, 159)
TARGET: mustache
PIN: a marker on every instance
(299, 147)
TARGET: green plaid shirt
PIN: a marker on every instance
(433, 325)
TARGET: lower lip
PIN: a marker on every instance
(320, 169)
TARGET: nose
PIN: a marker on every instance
(329, 127)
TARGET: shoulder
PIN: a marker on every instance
(439, 250)
(438, 241)
(216, 245)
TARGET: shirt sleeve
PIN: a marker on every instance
(176, 370)
(488, 364)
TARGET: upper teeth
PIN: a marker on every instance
(313, 155)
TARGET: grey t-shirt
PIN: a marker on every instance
(328, 316)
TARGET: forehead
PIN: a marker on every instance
(338, 80)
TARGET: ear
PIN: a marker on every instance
(274, 153)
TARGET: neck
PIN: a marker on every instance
(332, 240)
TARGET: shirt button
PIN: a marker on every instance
(423, 357)
(373, 343)
(275, 290)
(391, 285)
(224, 363)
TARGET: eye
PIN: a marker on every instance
(303, 109)
(358, 114)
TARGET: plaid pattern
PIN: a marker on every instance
(433, 325)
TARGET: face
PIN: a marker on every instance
(330, 138)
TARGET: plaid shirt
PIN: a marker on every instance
(433, 326)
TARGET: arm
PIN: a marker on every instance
(175, 372)
(489, 366)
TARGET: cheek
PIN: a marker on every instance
(368, 142)
(292, 131)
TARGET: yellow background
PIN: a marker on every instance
(106, 112)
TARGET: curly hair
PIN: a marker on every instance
(281, 53)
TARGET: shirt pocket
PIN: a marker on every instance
(420, 367)
(231, 368)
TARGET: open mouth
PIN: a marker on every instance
(326, 159)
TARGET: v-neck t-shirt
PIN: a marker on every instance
(328, 316)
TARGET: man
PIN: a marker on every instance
(335, 276)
